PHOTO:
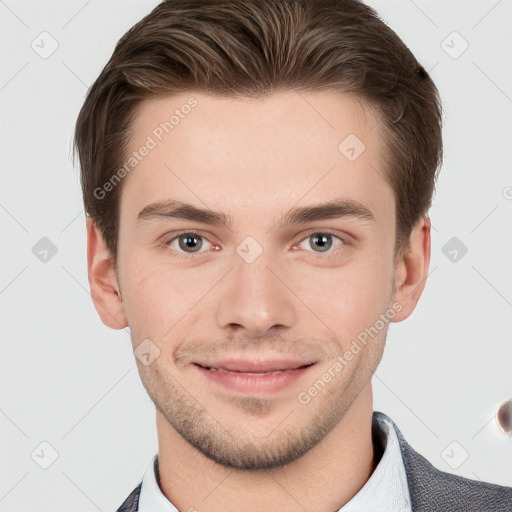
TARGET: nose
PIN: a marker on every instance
(256, 298)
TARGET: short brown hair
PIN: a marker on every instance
(254, 48)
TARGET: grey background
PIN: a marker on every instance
(71, 382)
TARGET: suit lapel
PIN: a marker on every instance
(131, 504)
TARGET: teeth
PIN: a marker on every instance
(246, 373)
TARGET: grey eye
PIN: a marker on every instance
(322, 240)
(189, 242)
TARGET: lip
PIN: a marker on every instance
(244, 376)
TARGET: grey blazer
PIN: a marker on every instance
(431, 490)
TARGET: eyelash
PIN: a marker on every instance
(327, 255)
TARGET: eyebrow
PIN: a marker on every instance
(336, 208)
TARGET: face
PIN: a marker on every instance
(262, 318)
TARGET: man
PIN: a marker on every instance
(257, 177)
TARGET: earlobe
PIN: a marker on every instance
(103, 281)
(411, 269)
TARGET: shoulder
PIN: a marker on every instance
(131, 504)
(434, 490)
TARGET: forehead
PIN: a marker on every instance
(273, 151)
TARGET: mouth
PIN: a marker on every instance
(254, 376)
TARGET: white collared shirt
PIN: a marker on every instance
(385, 491)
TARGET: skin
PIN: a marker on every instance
(254, 160)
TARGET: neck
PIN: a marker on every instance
(324, 478)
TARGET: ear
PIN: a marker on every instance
(103, 280)
(411, 270)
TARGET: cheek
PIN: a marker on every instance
(158, 297)
(348, 299)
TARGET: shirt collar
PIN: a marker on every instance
(386, 490)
